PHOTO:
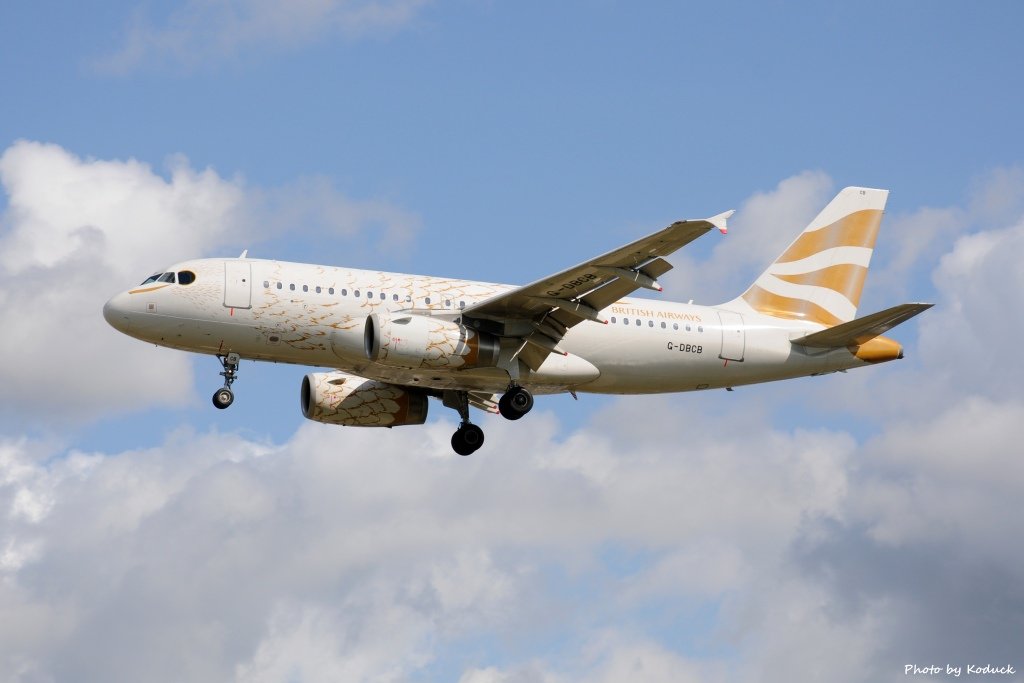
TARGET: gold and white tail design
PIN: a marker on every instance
(819, 278)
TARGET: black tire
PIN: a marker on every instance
(467, 439)
(223, 397)
(515, 403)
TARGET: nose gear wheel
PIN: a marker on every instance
(224, 397)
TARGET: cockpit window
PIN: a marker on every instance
(151, 278)
(166, 277)
(186, 277)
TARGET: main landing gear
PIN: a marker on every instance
(515, 402)
(468, 438)
(224, 397)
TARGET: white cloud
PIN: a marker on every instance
(349, 553)
(200, 31)
(374, 555)
(76, 231)
(673, 538)
(763, 226)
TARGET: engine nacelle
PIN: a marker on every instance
(341, 399)
(416, 341)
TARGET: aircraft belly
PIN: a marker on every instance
(660, 363)
(564, 370)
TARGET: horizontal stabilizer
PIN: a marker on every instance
(860, 330)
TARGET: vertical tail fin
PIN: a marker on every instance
(819, 278)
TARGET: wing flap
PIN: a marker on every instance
(485, 402)
(861, 330)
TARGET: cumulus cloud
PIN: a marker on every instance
(76, 231)
(219, 557)
(199, 31)
(672, 538)
(763, 226)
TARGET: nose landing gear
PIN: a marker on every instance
(224, 397)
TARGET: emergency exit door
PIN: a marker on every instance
(237, 284)
(733, 336)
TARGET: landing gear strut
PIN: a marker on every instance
(515, 402)
(224, 397)
(468, 438)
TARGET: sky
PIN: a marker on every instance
(836, 528)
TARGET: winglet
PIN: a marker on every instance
(719, 220)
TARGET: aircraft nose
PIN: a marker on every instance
(115, 312)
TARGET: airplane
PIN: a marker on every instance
(392, 341)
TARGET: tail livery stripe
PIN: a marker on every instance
(779, 306)
(857, 256)
(845, 278)
(856, 230)
(820, 277)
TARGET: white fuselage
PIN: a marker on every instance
(315, 315)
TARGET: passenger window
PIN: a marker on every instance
(355, 292)
(394, 297)
(650, 323)
(675, 326)
(638, 322)
(663, 325)
(613, 319)
(447, 303)
(369, 295)
(700, 328)
(344, 292)
(330, 290)
(427, 301)
(318, 290)
(687, 328)
(462, 304)
(292, 286)
(279, 285)
(625, 321)
(305, 288)
(187, 277)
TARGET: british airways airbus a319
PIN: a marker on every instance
(392, 341)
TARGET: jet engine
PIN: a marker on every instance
(341, 399)
(416, 341)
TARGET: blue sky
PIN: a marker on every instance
(761, 535)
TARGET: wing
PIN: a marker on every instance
(540, 313)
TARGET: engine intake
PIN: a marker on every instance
(341, 399)
(416, 341)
